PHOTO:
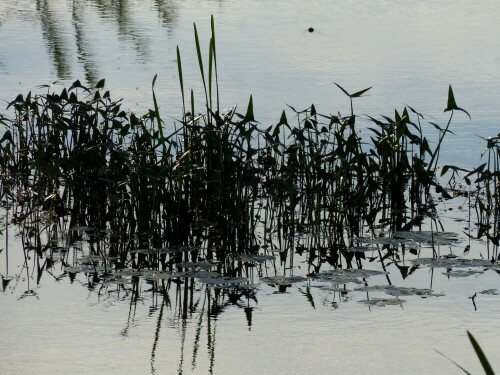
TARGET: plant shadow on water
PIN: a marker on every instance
(209, 214)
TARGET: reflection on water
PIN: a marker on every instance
(292, 299)
(84, 45)
(118, 17)
(186, 312)
(92, 211)
(55, 38)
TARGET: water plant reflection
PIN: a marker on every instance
(207, 215)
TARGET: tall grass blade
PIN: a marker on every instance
(181, 80)
(482, 357)
(200, 60)
(157, 115)
(212, 24)
(210, 65)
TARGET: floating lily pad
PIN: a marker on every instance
(379, 240)
(223, 280)
(89, 259)
(282, 280)
(239, 287)
(451, 262)
(255, 258)
(336, 279)
(75, 269)
(120, 281)
(344, 276)
(437, 238)
(334, 289)
(404, 291)
(196, 274)
(381, 302)
(159, 276)
(127, 272)
(84, 268)
(491, 292)
(461, 273)
(202, 265)
(374, 288)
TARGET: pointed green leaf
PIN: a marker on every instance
(340, 87)
(181, 80)
(313, 110)
(283, 119)
(452, 104)
(249, 115)
(210, 64)
(100, 84)
(482, 357)
(359, 93)
(200, 61)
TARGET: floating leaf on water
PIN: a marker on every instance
(337, 279)
(255, 258)
(90, 259)
(362, 272)
(343, 276)
(334, 289)
(462, 273)
(120, 281)
(493, 265)
(369, 288)
(159, 276)
(437, 238)
(379, 241)
(196, 274)
(491, 292)
(84, 268)
(451, 262)
(127, 272)
(74, 269)
(405, 291)
(282, 280)
(223, 280)
(236, 287)
(202, 265)
(381, 302)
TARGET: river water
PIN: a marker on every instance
(408, 51)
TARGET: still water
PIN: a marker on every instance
(409, 52)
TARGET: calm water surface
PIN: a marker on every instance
(408, 51)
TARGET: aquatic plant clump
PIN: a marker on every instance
(221, 195)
